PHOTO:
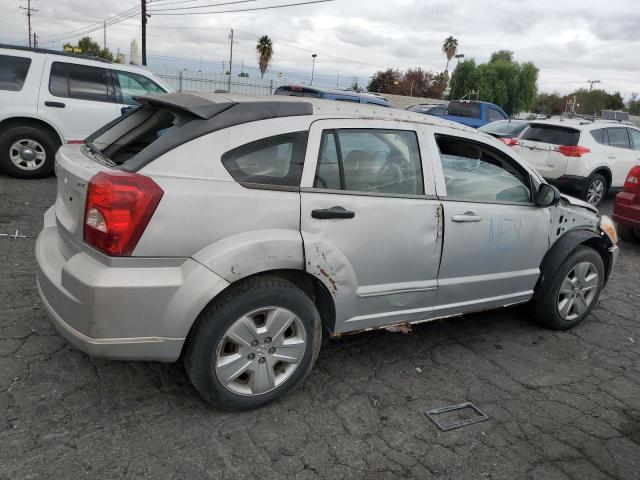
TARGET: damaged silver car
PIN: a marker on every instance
(236, 233)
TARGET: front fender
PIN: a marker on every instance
(248, 253)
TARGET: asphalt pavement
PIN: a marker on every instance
(561, 405)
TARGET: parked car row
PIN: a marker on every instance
(49, 98)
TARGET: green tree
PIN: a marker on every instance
(449, 48)
(593, 102)
(502, 81)
(634, 104)
(383, 81)
(414, 81)
(90, 47)
(549, 104)
(265, 52)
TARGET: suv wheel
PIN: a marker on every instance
(28, 152)
(254, 344)
(595, 189)
(573, 292)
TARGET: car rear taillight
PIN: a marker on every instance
(510, 142)
(632, 183)
(573, 150)
(118, 208)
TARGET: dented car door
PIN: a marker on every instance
(495, 236)
(370, 221)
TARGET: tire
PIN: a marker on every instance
(38, 140)
(547, 301)
(211, 355)
(596, 188)
(628, 234)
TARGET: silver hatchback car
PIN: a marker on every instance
(236, 233)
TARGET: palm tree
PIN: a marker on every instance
(265, 52)
(449, 48)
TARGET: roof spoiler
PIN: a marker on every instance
(193, 104)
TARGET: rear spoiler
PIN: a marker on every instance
(193, 104)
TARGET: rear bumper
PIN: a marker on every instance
(625, 211)
(569, 183)
(128, 309)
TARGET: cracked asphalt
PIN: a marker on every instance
(562, 405)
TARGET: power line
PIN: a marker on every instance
(199, 6)
(29, 10)
(242, 9)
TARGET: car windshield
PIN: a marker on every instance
(503, 128)
(553, 134)
(464, 109)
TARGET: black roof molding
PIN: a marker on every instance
(195, 105)
(229, 114)
(54, 52)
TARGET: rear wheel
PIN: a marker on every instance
(573, 292)
(28, 151)
(254, 344)
(595, 190)
(628, 234)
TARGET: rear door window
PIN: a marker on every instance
(275, 160)
(600, 136)
(618, 137)
(555, 135)
(370, 160)
(84, 82)
(13, 72)
(464, 109)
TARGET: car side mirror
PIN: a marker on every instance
(547, 195)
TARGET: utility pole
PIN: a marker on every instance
(144, 32)
(29, 10)
(35, 40)
(313, 66)
(104, 38)
(230, 60)
(591, 83)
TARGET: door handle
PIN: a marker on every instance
(333, 212)
(611, 155)
(467, 217)
(54, 104)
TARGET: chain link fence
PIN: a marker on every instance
(197, 81)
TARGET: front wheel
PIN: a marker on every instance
(254, 344)
(573, 292)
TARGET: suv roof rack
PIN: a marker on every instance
(54, 52)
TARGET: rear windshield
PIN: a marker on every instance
(130, 134)
(503, 128)
(297, 92)
(553, 134)
(13, 72)
(464, 109)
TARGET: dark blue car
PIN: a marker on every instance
(331, 94)
(471, 113)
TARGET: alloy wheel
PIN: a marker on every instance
(27, 154)
(260, 351)
(577, 291)
(595, 192)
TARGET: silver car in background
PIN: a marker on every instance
(236, 233)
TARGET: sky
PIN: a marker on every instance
(570, 41)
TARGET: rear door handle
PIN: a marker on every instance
(54, 104)
(466, 217)
(333, 212)
(611, 155)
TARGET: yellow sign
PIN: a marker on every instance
(72, 49)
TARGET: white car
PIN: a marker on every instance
(583, 157)
(48, 98)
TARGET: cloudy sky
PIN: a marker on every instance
(570, 41)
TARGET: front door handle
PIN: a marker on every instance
(333, 212)
(466, 217)
(54, 104)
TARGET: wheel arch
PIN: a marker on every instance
(566, 244)
(605, 172)
(7, 123)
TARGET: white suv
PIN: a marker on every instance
(48, 98)
(583, 157)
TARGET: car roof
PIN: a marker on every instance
(76, 56)
(207, 105)
(579, 123)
